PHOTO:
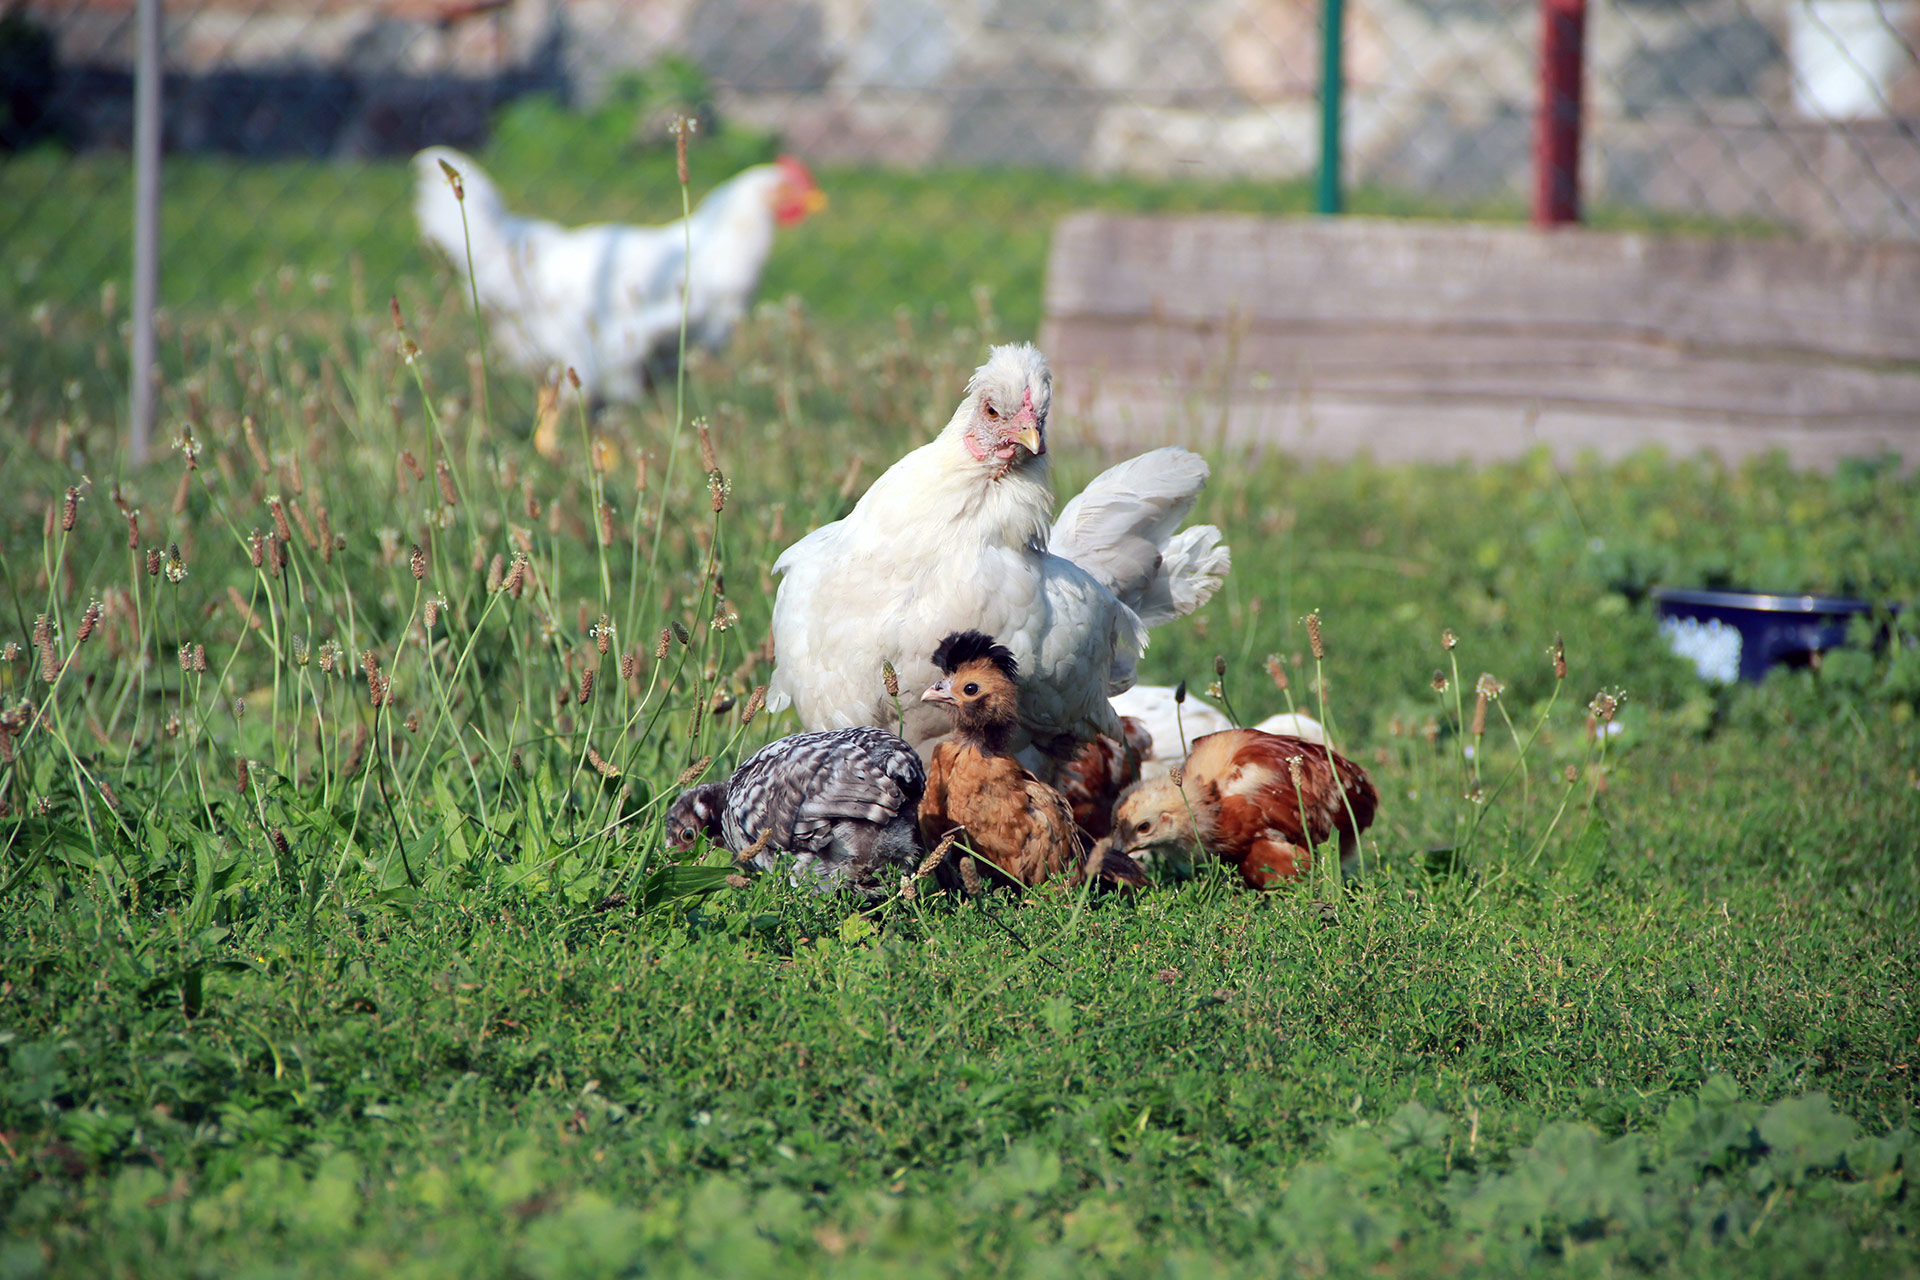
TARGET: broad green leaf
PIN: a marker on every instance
(1805, 1133)
(669, 884)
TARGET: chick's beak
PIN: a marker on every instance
(939, 691)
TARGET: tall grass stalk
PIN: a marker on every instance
(683, 129)
(454, 181)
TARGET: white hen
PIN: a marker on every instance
(955, 537)
(605, 299)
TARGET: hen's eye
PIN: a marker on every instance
(991, 411)
(1144, 827)
(971, 689)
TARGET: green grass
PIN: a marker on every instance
(439, 1004)
(919, 241)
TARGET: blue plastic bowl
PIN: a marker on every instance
(1733, 635)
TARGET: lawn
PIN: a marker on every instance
(919, 243)
(298, 981)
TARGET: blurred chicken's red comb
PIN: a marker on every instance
(797, 173)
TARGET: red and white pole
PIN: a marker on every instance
(1556, 137)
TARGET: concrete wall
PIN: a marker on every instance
(1421, 340)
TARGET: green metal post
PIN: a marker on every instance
(1330, 84)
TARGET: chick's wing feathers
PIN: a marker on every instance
(1253, 775)
(799, 786)
(1267, 863)
(1054, 844)
(1020, 825)
(1096, 775)
(1050, 817)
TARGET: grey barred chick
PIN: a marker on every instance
(844, 802)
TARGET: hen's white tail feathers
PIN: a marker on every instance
(1294, 724)
(1121, 528)
(1192, 564)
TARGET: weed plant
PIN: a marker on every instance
(339, 936)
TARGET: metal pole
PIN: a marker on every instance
(146, 227)
(1556, 139)
(1331, 80)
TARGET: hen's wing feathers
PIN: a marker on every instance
(1120, 529)
(1139, 501)
(1191, 565)
(1087, 646)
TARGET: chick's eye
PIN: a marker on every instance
(971, 689)
(1144, 827)
(687, 833)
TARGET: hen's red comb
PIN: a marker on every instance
(797, 173)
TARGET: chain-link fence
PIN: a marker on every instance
(287, 124)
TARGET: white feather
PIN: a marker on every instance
(1121, 530)
(1174, 726)
(1294, 724)
(1171, 724)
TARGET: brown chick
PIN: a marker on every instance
(1018, 823)
(1256, 801)
(1094, 778)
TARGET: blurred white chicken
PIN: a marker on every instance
(958, 536)
(605, 299)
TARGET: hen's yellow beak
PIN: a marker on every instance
(1031, 439)
(814, 201)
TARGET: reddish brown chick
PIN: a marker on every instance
(1018, 823)
(1094, 778)
(1256, 801)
